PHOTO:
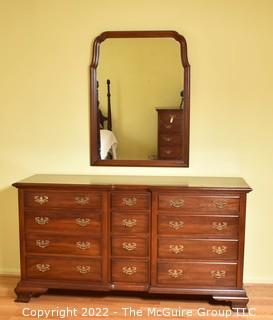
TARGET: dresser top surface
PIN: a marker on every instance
(173, 181)
(169, 109)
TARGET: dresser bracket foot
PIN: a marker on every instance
(25, 293)
(238, 304)
(23, 297)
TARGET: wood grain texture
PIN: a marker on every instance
(155, 256)
(130, 246)
(63, 268)
(62, 199)
(176, 248)
(198, 225)
(197, 274)
(108, 182)
(130, 201)
(181, 202)
(130, 271)
(69, 245)
(130, 223)
(63, 222)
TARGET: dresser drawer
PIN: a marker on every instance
(63, 222)
(201, 226)
(197, 249)
(170, 121)
(166, 127)
(130, 246)
(56, 268)
(129, 223)
(170, 139)
(197, 274)
(47, 244)
(62, 199)
(130, 201)
(170, 152)
(130, 271)
(182, 202)
(170, 115)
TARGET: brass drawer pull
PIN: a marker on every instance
(129, 271)
(83, 269)
(82, 200)
(220, 204)
(220, 226)
(175, 273)
(167, 139)
(41, 220)
(83, 245)
(218, 274)
(43, 267)
(177, 203)
(168, 151)
(219, 249)
(83, 222)
(41, 199)
(42, 243)
(129, 201)
(129, 223)
(168, 126)
(129, 246)
(176, 248)
(176, 225)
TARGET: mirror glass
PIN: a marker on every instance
(145, 74)
(140, 99)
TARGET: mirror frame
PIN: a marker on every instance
(94, 130)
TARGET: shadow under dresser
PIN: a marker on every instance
(167, 235)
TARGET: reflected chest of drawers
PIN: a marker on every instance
(158, 235)
(170, 133)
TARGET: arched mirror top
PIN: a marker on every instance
(140, 34)
(140, 99)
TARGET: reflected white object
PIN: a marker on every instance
(108, 141)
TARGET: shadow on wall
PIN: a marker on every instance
(9, 231)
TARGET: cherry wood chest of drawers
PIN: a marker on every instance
(170, 133)
(168, 235)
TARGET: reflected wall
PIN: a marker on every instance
(145, 74)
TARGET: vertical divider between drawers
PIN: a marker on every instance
(153, 239)
(106, 237)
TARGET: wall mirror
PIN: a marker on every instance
(140, 99)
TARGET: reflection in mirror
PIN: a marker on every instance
(140, 99)
(144, 74)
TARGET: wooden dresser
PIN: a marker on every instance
(170, 133)
(169, 235)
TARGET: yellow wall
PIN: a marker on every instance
(45, 54)
(145, 74)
